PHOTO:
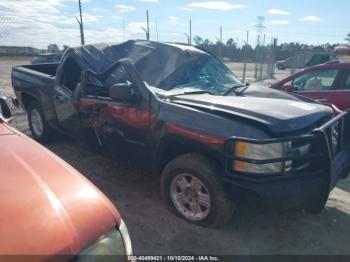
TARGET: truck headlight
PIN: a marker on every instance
(115, 244)
(262, 152)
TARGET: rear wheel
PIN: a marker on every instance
(39, 127)
(192, 190)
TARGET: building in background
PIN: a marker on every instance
(18, 51)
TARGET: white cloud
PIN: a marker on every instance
(215, 5)
(98, 9)
(87, 19)
(125, 8)
(136, 27)
(117, 17)
(183, 8)
(38, 23)
(275, 11)
(150, 1)
(279, 22)
(31, 6)
(174, 20)
(311, 18)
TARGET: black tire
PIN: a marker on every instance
(48, 133)
(202, 168)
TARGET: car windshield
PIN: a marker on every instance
(207, 75)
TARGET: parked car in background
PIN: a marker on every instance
(284, 64)
(212, 138)
(48, 208)
(302, 61)
(329, 83)
(47, 58)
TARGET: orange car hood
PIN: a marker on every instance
(46, 206)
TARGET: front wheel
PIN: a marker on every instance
(39, 127)
(192, 190)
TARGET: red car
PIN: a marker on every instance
(329, 83)
(48, 208)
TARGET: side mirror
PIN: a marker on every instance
(5, 109)
(288, 87)
(122, 92)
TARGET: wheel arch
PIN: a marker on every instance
(27, 99)
(171, 147)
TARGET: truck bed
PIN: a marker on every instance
(47, 69)
(36, 82)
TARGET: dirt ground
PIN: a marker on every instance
(154, 230)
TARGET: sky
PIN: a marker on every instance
(41, 22)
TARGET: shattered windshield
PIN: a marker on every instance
(208, 75)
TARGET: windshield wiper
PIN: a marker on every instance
(232, 89)
(194, 93)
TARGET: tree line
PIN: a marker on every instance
(230, 49)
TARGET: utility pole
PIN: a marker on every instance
(245, 56)
(259, 27)
(220, 43)
(189, 36)
(146, 30)
(273, 57)
(256, 58)
(262, 58)
(147, 17)
(81, 25)
(157, 31)
(190, 32)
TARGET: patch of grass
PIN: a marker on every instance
(15, 58)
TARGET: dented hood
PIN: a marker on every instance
(47, 207)
(278, 115)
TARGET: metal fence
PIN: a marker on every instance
(265, 65)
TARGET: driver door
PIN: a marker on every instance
(68, 83)
(116, 122)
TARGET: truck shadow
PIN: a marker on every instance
(154, 230)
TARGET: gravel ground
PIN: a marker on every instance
(135, 191)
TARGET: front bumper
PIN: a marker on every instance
(300, 188)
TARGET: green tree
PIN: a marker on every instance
(53, 48)
(231, 42)
(198, 40)
(347, 38)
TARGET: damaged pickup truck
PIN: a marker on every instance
(213, 139)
